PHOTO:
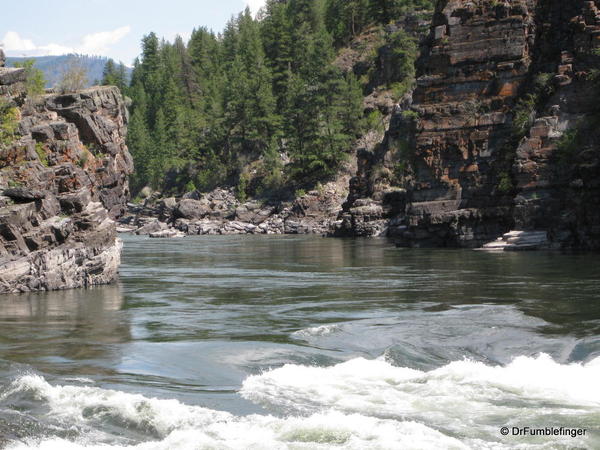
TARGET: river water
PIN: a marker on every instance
(306, 343)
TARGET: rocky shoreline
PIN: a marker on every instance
(220, 212)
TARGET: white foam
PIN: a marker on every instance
(322, 330)
(358, 404)
(190, 427)
(464, 398)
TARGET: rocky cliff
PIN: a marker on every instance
(499, 134)
(63, 180)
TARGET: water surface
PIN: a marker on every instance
(303, 343)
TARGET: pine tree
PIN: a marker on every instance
(345, 19)
(140, 145)
(262, 88)
(277, 41)
(114, 75)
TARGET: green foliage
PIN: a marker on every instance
(410, 115)
(346, 18)
(593, 75)
(568, 145)
(190, 186)
(262, 90)
(375, 121)
(9, 121)
(525, 110)
(35, 81)
(84, 158)
(241, 188)
(404, 51)
(41, 152)
(384, 11)
(114, 75)
(505, 185)
(524, 114)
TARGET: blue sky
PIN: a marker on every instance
(111, 28)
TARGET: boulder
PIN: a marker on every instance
(22, 194)
(191, 209)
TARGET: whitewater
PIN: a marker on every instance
(358, 404)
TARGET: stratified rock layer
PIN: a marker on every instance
(454, 168)
(557, 163)
(63, 180)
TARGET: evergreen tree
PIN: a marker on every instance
(263, 88)
(114, 75)
(345, 19)
(277, 41)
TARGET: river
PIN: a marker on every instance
(282, 342)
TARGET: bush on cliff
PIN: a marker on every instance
(9, 121)
(35, 81)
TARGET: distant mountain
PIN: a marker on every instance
(53, 66)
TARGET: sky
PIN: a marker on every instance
(112, 28)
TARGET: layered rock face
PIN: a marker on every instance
(63, 177)
(462, 172)
(471, 74)
(557, 163)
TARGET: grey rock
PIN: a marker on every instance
(21, 194)
(56, 230)
(191, 209)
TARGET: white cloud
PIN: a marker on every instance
(99, 43)
(13, 42)
(93, 44)
(255, 5)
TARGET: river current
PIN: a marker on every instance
(280, 342)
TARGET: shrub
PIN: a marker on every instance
(505, 184)
(568, 145)
(42, 155)
(190, 186)
(74, 77)
(83, 159)
(240, 191)
(374, 121)
(410, 115)
(34, 78)
(9, 121)
(525, 108)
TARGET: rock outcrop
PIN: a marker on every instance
(220, 212)
(64, 170)
(498, 135)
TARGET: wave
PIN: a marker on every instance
(358, 404)
(322, 330)
(376, 384)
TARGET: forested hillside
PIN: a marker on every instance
(263, 105)
(53, 67)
